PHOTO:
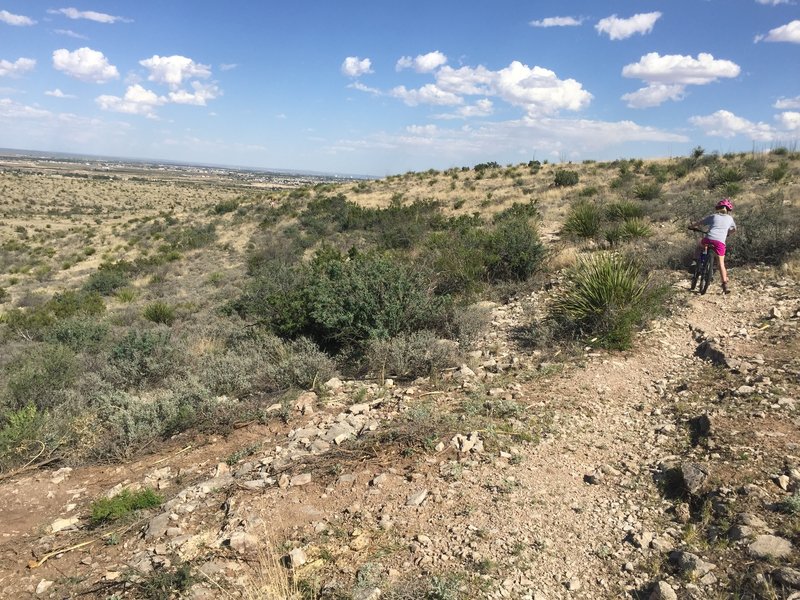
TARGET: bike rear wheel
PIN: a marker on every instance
(700, 263)
(707, 273)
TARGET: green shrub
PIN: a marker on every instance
(225, 206)
(4, 295)
(78, 333)
(719, 176)
(513, 251)
(565, 178)
(192, 237)
(411, 355)
(778, 173)
(160, 312)
(71, 303)
(584, 220)
(647, 190)
(39, 376)
(107, 280)
(606, 297)
(19, 436)
(145, 357)
(635, 227)
(106, 510)
(768, 232)
(298, 364)
(623, 210)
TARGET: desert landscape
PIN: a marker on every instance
(491, 381)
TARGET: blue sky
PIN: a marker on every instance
(382, 87)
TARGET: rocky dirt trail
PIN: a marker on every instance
(583, 510)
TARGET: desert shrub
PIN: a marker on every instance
(276, 297)
(584, 220)
(34, 322)
(635, 227)
(160, 312)
(371, 295)
(467, 324)
(108, 279)
(720, 175)
(40, 375)
(4, 295)
(191, 237)
(296, 364)
(145, 357)
(225, 206)
(71, 303)
(20, 436)
(78, 333)
(767, 232)
(623, 210)
(565, 178)
(517, 211)
(776, 174)
(457, 260)
(513, 251)
(411, 355)
(106, 510)
(606, 297)
(647, 190)
(589, 191)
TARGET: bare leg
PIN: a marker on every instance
(723, 272)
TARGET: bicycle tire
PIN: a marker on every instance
(707, 274)
(699, 264)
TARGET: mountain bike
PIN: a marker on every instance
(704, 270)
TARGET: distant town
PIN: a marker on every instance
(109, 168)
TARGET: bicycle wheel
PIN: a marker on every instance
(699, 264)
(707, 274)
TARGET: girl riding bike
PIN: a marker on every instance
(717, 226)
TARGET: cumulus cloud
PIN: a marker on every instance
(17, 68)
(202, 93)
(725, 124)
(539, 91)
(667, 76)
(228, 66)
(676, 68)
(137, 101)
(355, 67)
(557, 22)
(57, 93)
(620, 29)
(357, 85)
(97, 17)
(773, 2)
(10, 110)
(790, 120)
(427, 94)
(785, 33)
(85, 64)
(481, 108)
(16, 20)
(790, 103)
(466, 80)
(173, 70)
(654, 95)
(423, 63)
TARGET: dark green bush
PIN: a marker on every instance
(513, 251)
(606, 297)
(107, 279)
(720, 175)
(4, 295)
(767, 232)
(623, 210)
(145, 357)
(191, 237)
(584, 220)
(276, 297)
(647, 190)
(80, 334)
(225, 206)
(160, 312)
(565, 178)
(39, 376)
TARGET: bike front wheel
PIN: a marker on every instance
(706, 274)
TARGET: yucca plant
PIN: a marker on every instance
(623, 210)
(160, 312)
(606, 296)
(636, 227)
(647, 190)
(584, 220)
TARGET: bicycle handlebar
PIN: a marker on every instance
(697, 229)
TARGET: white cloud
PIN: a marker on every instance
(482, 108)
(423, 63)
(557, 22)
(10, 110)
(773, 2)
(466, 80)
(16, 20)
(679, 69)
(539, 90)
(201, 94)
(72, 34)
(17, 68)
(98, 17)
(57, 93)
(725, 124)
(137, 101)
(355, 67)
(785, 33)
(173, 70)
(654, 94)
(790, 120)
(85, 64)
(427, 94)
(357, 85)
(228, 66)
(790, 103)
(620, 29)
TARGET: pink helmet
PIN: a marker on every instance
(725, 203)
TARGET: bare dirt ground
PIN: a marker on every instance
(585, 509)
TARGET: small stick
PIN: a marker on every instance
(181, 451)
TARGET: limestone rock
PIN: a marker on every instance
(663, 591)
(770, 547)
(694, 476)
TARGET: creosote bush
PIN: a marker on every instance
(606, 297)
(565, 178)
